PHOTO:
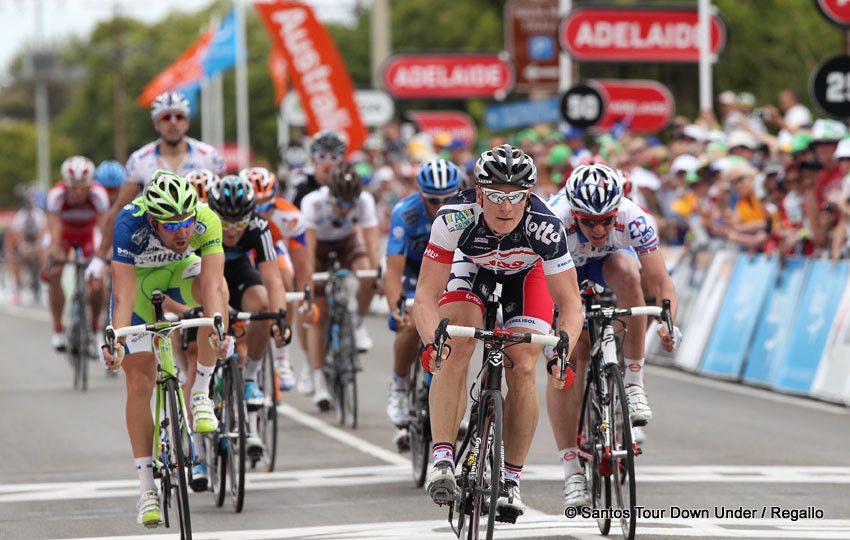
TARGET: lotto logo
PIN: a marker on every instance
(431, 254)
(545, 233)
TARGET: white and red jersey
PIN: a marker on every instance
(79, 219)
(320, 213)
(147, 160)
(634, 228)
(460, 226)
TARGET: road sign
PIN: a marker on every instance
(517, 114)
(636, 34)
(837, 11)
(829, 86)
(457, 75)
(646, 106)
(582, 106)
(376, 108)
(531, 37)
(458, 124)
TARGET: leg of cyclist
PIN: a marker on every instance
(56, 299)
(257, 337)
(622, 275)
(282, 365)
(316, 350)
(365, 292)
(564, 408)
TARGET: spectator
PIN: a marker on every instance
(747, 225)
(574, 138)
(742, 144)
(825, 137)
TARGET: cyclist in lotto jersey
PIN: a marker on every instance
(498, 232)
(75, 208)
(289, 235)
(156, 237)
(172, 151)
(340, 218)
(410, 229)
(607, 234)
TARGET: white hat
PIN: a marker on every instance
(743, 138)
(727, 97)
(694, 132)
(685, 163)
(828, 130)
(842, 150)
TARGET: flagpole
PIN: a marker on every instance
(242, 131)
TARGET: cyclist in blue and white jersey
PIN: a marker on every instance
(410, 229)
(498, 232)
(614, 243)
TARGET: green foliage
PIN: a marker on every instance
(18, 164)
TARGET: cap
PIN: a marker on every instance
(842, 151)
(684, 163)
(694, 132)
(741, 138)
(727, 97)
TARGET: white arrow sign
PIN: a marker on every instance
(376, 108)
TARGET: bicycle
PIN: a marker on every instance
(173, 449)
(80, 336)
(607, 455)
(481, 466)
(341, 364)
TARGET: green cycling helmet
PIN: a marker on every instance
(169, 195)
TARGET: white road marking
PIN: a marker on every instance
(535, 527)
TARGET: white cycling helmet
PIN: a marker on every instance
(77, 171)
(595, 190)
(169, 101)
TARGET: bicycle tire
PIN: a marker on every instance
(235, 413)
(622, 467)
(83, 354)
(419, 425)
(267, 425)
(348, 374)
(178, 460)
(489, 461)
(74, 344)
(216, 443)
(590, 441)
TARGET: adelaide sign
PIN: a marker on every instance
(637, 34)
(647, 106)
(449, 75)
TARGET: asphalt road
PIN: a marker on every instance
(66, 469)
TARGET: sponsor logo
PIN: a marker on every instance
(522, 320)
(431, 254)
(510, 307)
(635, 367)
(544, 232)
(129, 206)
(485, 290)
(398, 232)
(200, 228)
(193, 270)
(458, 220)
(639, 228)
(570, 455)
(124, 252)
(479, 240)
(515, 236)
(472, 298)
(139, 235)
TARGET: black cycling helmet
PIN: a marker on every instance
(232, 198)
(505, 164)
(328, 141)
(345, 184)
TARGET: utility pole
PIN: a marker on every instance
(42, 105)
(120, 127)
(243, 138)
(381, 36)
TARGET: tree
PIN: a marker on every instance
(18, 164)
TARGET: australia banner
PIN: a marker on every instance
(315, 69)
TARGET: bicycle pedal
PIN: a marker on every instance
(324, 406)
(506, 516)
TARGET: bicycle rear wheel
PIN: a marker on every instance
(178, 459)
(419, 425)
(348, 374)
(216, 443)
(487, 480)
(268, 414)
(622, 452)
(235, 415)
(591, 444)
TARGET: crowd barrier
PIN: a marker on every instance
(782, 324)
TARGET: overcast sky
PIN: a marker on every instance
(65, 18)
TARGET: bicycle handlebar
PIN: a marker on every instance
(598, 312)
(359, 274)
(114, 333)
(501, 335)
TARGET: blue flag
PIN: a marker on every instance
(221, 54)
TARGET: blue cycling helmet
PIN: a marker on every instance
(438, 177)
(110, 174)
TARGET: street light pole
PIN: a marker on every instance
(42, 105)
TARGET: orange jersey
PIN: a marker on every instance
(285, 223)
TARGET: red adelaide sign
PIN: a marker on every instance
(457, 124)
(647, 106)
(449, 75)
(837, 11)
(637, 35)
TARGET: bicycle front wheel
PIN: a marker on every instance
(235, 414)
(622, 452)
(591, 444)
(216, 442)
(178, 459)
(487, 480)
(268, 414)
(419, 425)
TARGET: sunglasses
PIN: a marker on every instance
(344, 204)
(438, 200)
(264, 207)
(166, 117)
(592, 222)
(239, 225)
(174, 226)
(326, 156)
(498, 197)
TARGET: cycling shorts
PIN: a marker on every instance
(240, 275)
(86, 241)
(409, 278)
(592, 269)
(348, 250)
(525, 300)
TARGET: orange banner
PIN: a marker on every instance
(315, 68)
(187, 69)
(277, 70)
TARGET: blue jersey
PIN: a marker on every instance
(410, 229)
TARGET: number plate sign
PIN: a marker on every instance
(582, 106)
(829, 86)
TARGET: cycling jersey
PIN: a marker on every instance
(300, 186)
(135, 242)
(78, 219)
(257, 237)
(539, 235)
(147, 160)
(410, 229)
(29, 224)
(285, 222)
(633, 229)
(320, 213)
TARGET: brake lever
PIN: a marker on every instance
(440, 336)
(217, 324)
(110, 339)
(667, 316)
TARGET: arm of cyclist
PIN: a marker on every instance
(94, 271)
(654, 272)
(393, 288)
(433, 277)
(270, 274)
(54, 251)
(213, 294)
(310, 267)
(124, 294)
(373, 246)
(563, 287)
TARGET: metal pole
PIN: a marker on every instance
(42, 105)
(565, 63)
(705, 60)
(120, 142)
(381, 36)
(242, 132)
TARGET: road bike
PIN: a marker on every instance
(80, 335)
(173, 449)
(479, 461)
(606, 446)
